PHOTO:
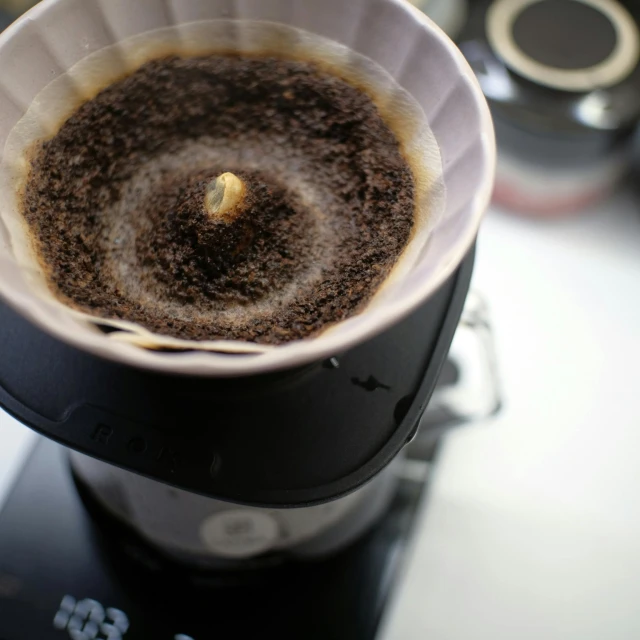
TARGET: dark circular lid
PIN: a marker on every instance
(571, 45)
(565, 34)
(557, 67)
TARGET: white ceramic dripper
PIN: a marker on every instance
(57, 36)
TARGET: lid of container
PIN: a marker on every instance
(533, 102)
(571, 45)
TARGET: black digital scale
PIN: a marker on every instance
(56, 548)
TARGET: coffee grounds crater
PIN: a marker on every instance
(115, 200)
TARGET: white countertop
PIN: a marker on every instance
(532, 526)
(15, 443)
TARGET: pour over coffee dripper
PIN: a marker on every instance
(297, 426)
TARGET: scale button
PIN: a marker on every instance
(239, 533)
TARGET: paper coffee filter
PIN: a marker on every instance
(57, 102)
(444, 228)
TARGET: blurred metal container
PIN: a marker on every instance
(563, 81)
(449, 15)
(16, 7)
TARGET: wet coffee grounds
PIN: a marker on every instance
(115, 200)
